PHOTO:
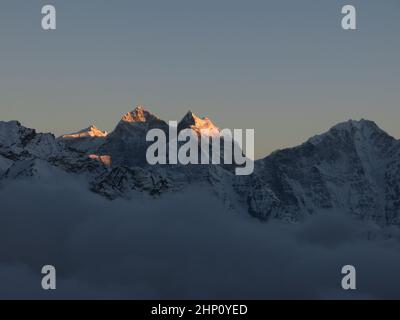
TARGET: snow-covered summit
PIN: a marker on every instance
(91, 131)
(199, 125)
(87, 140)
(140, 115)
(12, 133)
(17, 140)
(353, 129)
(127, 144)
(353, 168)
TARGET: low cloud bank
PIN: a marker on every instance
(179, 247)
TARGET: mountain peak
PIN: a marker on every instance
(190, 114)
(14, 133)
(192, 121)
(356, 130)
(10, 123)
(91, 131)
(140, 114)
(356, 125)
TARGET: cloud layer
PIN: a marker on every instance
(179, 247)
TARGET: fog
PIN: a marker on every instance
(181, 246)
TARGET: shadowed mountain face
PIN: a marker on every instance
(353, 168)
(127, 145)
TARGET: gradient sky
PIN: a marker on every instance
(284, 68)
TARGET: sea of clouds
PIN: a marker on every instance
(181, 246)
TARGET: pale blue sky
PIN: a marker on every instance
(284, 68)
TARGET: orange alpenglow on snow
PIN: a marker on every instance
(91, 131)
(202, 126)
(138, 115)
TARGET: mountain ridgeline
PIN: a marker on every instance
(353, 168)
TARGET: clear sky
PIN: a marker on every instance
(284, 68)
